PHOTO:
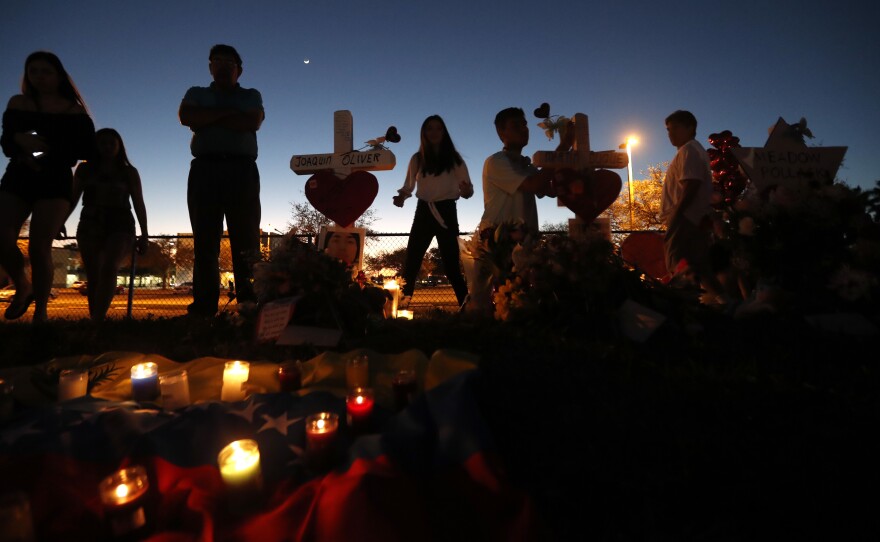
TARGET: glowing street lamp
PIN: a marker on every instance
(628, 145)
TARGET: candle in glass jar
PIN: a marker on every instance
(72, 383)
(321, 429)
(124, 495)
(405, 314)
(403, 384)
(394, 290)
(235, 374)
(175, 389)
(290, 376)
(357, 372)
(359, 408)
(240, 465)
(145, 381)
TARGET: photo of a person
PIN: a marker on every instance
(344, 244)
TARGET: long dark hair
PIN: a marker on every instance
(445, 158)
(122, 157)
(66, 88)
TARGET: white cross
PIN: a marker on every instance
(344, 159)
(580, 157)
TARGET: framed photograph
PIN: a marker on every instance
(345, 244)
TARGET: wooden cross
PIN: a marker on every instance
(343, 160)
(581, 157)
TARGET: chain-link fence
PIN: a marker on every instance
(159, 283)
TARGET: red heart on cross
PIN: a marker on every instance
(588, 194)
(342, 200)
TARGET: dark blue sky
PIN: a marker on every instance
(736, 66)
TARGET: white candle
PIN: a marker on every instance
(394, 289)
(145, 381)
(72, 383)
(240, 465)
(175, 389)
(235, 373)
(405, 314)
(357, 372)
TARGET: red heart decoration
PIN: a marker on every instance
(342, 200)
(588, 194)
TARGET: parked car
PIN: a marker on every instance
(7, 292)
(184, 288)
(84, 288)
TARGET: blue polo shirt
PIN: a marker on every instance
(216, 139)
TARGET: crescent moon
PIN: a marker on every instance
(306, 61)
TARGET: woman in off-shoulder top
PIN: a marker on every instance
(46, 130)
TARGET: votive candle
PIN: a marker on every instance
(394, 289)
(235, 374)
(357, 372)
(403, 384)
(123, 494)
(240, 465)
(145, 381)
(72, 383)
(290, 376)
(359, 407)
(321, 429)
(175, 389)
(405, 314)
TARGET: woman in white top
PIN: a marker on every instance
(439, 176)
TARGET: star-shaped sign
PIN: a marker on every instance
(785, 158)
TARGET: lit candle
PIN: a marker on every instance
(321, 429)
(406, 314)
(394, 289)
(175, 389)
(359, 407)
(145, 381)
(72, 383)
(124, 494)
(290, 376)
(357, 372)
(403, 384)
(240, 466)
(235, 374)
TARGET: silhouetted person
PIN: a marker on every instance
(223, 178)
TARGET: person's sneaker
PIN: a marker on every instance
(18, 306)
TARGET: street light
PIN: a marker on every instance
(628, 145)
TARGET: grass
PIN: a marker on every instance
(741, 429)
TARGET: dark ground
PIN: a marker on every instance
(758, 429)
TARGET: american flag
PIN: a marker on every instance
(426, 473)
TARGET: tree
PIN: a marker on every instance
(306, 220)
(646, 202)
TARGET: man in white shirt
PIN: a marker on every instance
(510, 182)
(685, 206)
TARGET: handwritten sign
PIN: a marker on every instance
(785, 159)
(344, 159)
(273, 318)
